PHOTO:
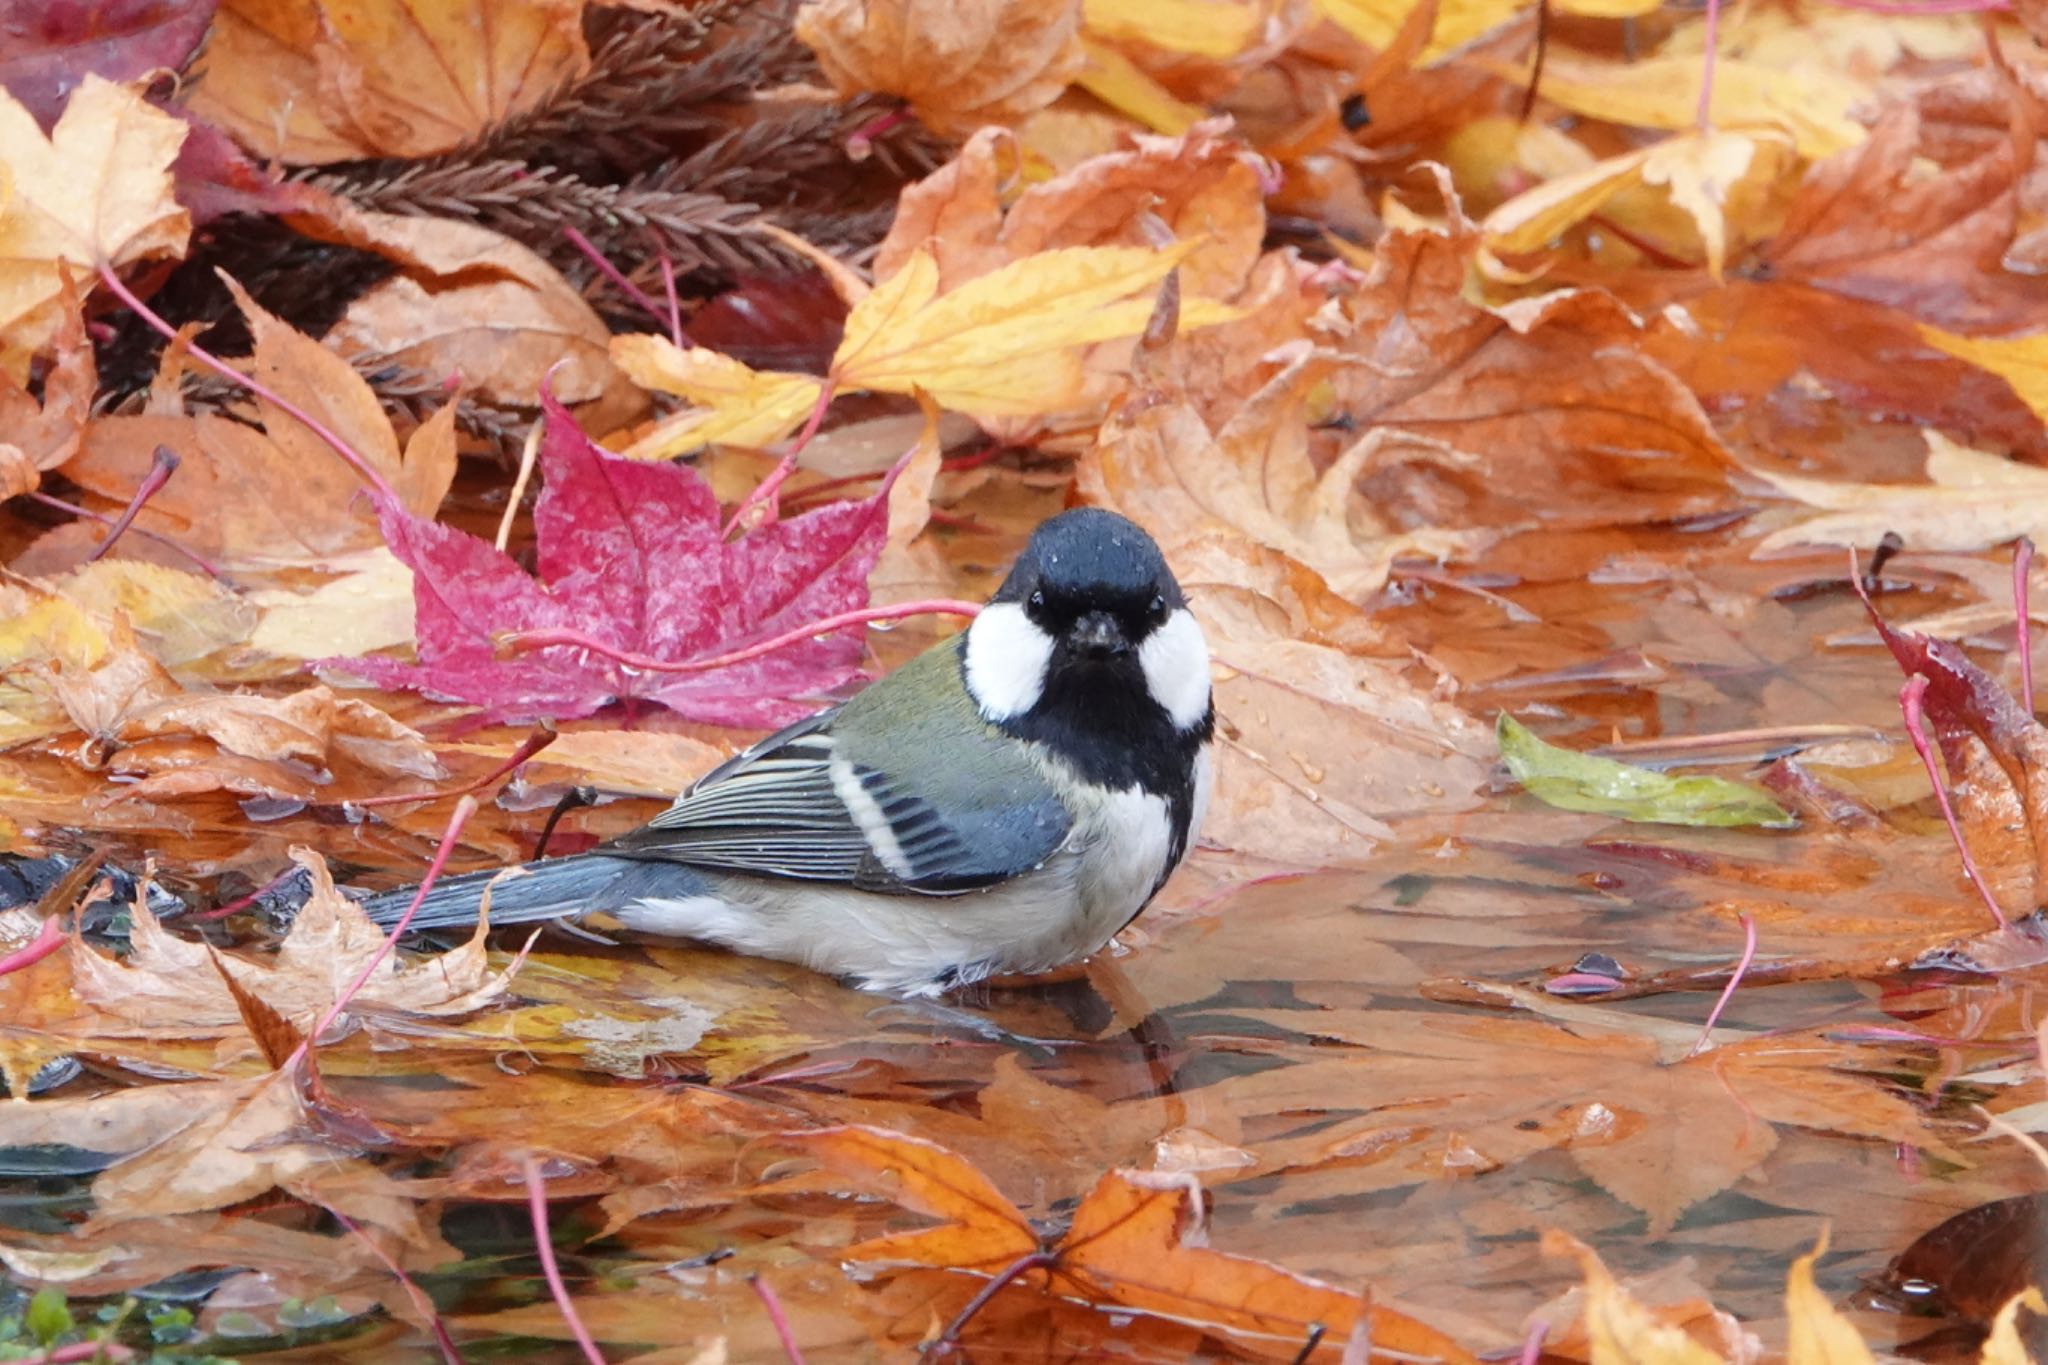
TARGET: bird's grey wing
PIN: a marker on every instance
(796, 806)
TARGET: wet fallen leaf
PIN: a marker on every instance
(170, 982)
(1574, 781)
(50, 48)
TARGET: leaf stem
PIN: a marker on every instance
(163, 463)
(173, 546)
(542, 735)
(420, 1302)
(1023, 1265)
(537, 1205)
(765, 494)
(523, 641)
(1734, 980)
(457, 818)
(366, 471)
(614, 274)
(47, 940)
(1910, 697)
(244, 902)
(777, 1319)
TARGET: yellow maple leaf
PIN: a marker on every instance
(1004, 344)
(2020, 361)
(1375, 22)
(1664, 92)
(96, 190)
(1700, 172)
(1971, 501)
(1619, 1330)
(1217, 29)
(1815, 1333)
(2004, 1346)
(734, 405)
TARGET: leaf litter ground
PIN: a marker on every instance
(1399, 1045)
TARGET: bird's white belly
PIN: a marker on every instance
(921, 945)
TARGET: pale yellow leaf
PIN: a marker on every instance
(2020, 361)
(1972, 501)
(1217, 29)
(97, 189)
(2004, 1346)
(732, 403)
(1816, 1333)
(1125, 86)
(1375, 22)
(1812, 105)
(1006, 344)
(368, 607)
(1619, 1330)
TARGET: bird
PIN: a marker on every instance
(1003, 804)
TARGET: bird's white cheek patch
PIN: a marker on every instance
(1007, 655)
(1176, 661)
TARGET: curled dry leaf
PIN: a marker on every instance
(1542, 410)
(1201, 187)
(57, 224)
(1873, 223)
(169, 982)
(958, 63)
(42, 434)
(473, 309)
(1713, 177)
(313, 81)
(1256, 475)
(126, 705)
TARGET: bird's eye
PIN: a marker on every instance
(1158, 608)
(1037, 600)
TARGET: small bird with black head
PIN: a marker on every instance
(1004, 803)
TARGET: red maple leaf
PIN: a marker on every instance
(632, 556)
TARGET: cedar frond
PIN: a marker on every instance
(534, 203)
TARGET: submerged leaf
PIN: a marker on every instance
(1602, 786)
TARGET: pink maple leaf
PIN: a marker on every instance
(632, 555)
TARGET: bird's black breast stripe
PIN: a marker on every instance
(1117, 736)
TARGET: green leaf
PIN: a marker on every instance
(1575, 781)
(48, 1318)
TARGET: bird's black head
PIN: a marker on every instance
(1095, 583)
(1090, 625)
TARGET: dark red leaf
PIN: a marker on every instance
(633, 556)
(48, 46)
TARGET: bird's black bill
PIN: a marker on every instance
(1097, 635)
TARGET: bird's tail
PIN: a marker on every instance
(555, 888)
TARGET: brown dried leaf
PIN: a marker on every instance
(1200, 187)
(473, 308)
(959, 63)
(42, 435)
(313, 81)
